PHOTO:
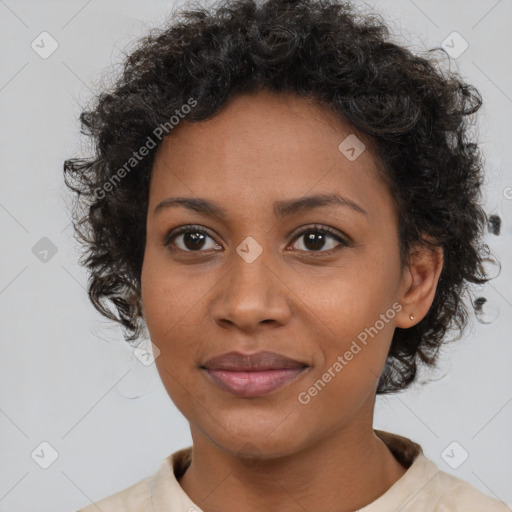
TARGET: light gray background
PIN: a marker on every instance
(67, 377)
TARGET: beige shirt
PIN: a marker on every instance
(422, 488)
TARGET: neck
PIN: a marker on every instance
(348, 470)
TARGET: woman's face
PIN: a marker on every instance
(264, 277)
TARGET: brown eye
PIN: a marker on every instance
(315, 239)
(190, 239)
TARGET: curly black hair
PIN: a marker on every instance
(415, 115)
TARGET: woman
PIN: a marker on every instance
(290, 204)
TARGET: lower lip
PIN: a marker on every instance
(255, 383)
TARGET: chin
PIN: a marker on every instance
(248, 441)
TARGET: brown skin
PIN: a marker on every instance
(272, 452)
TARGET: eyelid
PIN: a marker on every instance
(320, 227)
(179, 230)
(343, 239)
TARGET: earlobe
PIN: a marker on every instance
(419, 285)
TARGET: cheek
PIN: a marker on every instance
(171, 296)
(355, 317)
(347, 302)
(174, 307)
(354, 349)
(168, 316)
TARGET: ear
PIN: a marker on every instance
(419, 284)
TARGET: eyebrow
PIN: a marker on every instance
(281, 208)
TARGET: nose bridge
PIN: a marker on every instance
(252, 256)
(250, 271)
(251, 291)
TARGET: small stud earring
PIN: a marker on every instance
(411, 316)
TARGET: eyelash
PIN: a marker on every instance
(315, 228)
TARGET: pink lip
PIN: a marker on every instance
(250, 375)
(254, 383)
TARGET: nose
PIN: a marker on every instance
(251, 295)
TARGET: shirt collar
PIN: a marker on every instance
(167, 494)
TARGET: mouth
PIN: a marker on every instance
(253, 375)
(252, 384)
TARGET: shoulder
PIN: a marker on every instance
(451, 494)
(155, 493)
(133, 498)
(425, 487)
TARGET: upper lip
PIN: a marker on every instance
(265, 360)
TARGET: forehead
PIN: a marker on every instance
(262, 147)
